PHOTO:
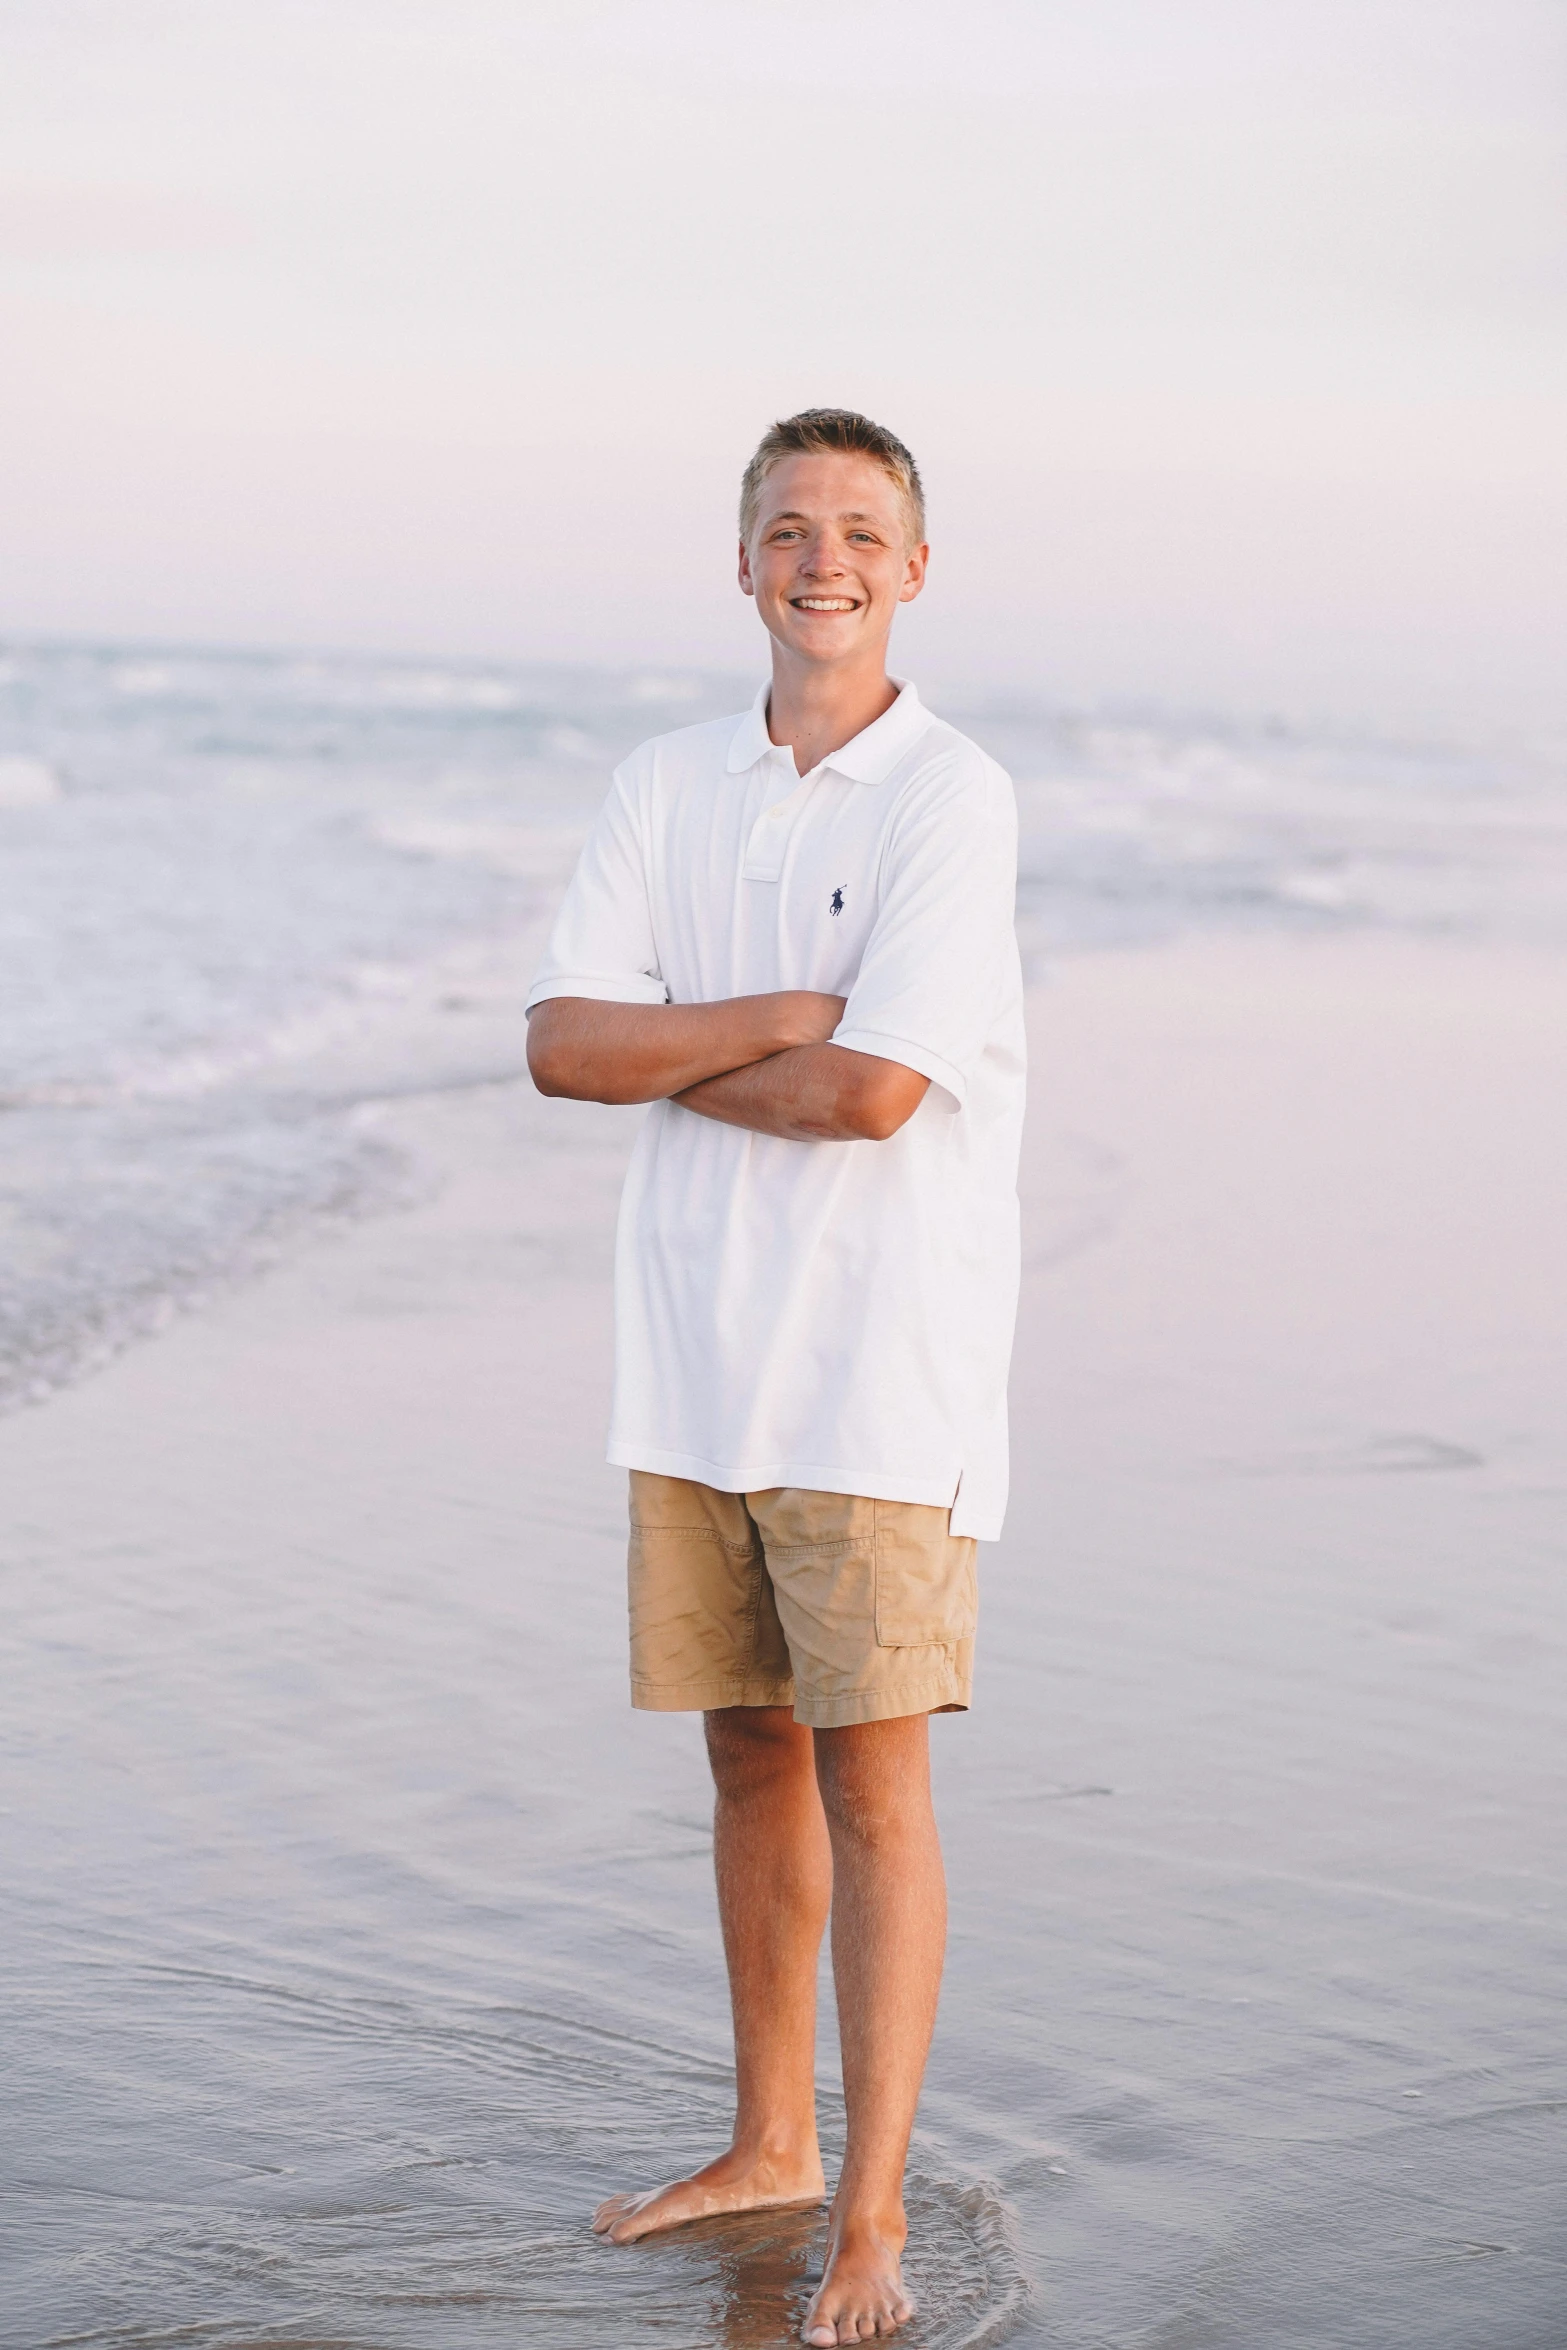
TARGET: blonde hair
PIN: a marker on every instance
(841, 432)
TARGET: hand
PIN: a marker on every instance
(806, 1017)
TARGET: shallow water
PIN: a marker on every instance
(222, 875)
(356, 1939)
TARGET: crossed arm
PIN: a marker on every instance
(761, 1061)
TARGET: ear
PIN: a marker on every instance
(747, 583)
(914, 574)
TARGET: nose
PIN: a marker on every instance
(823, 558)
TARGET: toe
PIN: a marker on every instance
(617, 2218)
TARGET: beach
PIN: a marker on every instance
(407, 484)
(358, 1937)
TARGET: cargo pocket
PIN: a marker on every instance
(927, 1584)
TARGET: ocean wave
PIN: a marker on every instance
(451, 2196)
(222, 871)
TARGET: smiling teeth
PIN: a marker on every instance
(824, 603)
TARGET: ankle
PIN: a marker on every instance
(863, 2214)
(779, 2146)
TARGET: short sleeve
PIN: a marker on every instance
(934, 965)
(602, 942)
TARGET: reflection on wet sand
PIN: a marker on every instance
(357, 1940)
(746, 2280)
(749, 2276)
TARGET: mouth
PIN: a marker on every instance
(825, 603)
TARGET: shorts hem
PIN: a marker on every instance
(702, 1697)
(880, 1705)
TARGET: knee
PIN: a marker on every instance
(855, 1811)
(874, 1780)
(751, 1747)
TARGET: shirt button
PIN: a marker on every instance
(773, 815)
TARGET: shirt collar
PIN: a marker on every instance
(869, 758)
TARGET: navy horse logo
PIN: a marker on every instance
(835, 902)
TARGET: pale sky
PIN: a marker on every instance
(1231, 336)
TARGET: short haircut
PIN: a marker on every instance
(840, 432)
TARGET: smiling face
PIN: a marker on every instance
(829, 560)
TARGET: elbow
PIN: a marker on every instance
(562, 1069)
(549, 1057)
(565, 1077)
(542, 1069)
(882, 1102)
(874, 1124)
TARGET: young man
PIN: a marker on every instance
(792, 933)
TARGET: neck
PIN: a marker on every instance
(816, 711)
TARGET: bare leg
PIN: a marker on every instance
(889, 1929)
(774, 1871)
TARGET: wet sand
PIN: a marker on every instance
(358, 1937)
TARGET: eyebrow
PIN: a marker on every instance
(792, 514)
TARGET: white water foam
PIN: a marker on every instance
(222, 876)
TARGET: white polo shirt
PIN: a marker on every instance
(835, 1315)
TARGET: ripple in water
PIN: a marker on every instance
(439, 2195)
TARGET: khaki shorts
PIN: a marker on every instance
(847, 1609)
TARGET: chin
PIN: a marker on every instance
(821, 652)
(828, 642)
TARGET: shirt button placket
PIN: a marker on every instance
(769, 837)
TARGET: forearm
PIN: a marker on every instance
(609, 1052)
(813, 1093)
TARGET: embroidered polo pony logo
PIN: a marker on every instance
(835, 902)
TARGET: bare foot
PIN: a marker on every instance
(735, 2182)
(861, 2296)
